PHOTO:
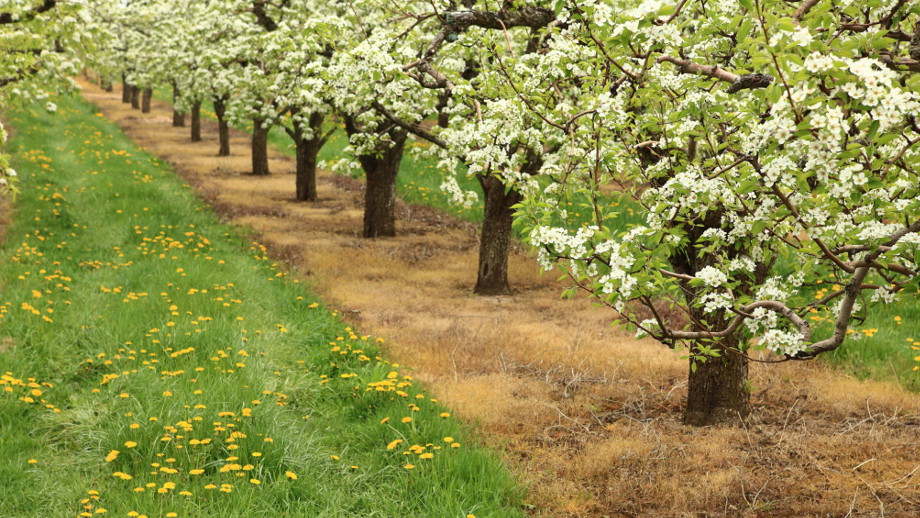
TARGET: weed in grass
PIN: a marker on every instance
(156, 363)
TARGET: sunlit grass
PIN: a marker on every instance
(155, 362)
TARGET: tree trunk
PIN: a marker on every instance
(717, 392)
(145, 100)
(223, 129)
(259, 148)
(381, 169)
(380, 196)
(196, 121)
(441, 107)
(307, 152)
(135, 97)
(125, 90)
(178, 117)
(495, 238)
(109, 87)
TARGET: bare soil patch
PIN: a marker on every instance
(587, 416)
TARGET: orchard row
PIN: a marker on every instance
(771, 145)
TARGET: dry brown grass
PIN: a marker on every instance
(587, 416)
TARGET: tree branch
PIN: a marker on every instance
(742, 82)
(414, 129)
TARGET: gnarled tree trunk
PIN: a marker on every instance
(125, 90)
(196, 121)
(223, 129)
(259, 148)
(145, 100)
(178, 117)
(495, 237)
(135, 97)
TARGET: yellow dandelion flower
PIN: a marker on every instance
(255, 481)
(406, 419)
(31, 461)
(334, 457)
(195, 471)
(291, 475)
(448, 439)
(426, 456)
(455, 445)
(130, 444)
(409, 466)
(112, 456)
(394, 444)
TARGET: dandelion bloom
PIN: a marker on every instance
(111, 456)
(291, 475)
(130, 444)
(409, 466)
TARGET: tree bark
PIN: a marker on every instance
(380, 197)
(259, 148)
(135, 97)
(717, 391)
(495, 237)
(178, 117)
(441, 107)
(196, 121)
(108, 86)
(307, 152)
(145, 100)
(223, 129)
(381, 170)
(125, 90)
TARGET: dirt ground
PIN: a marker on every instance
(585, 415)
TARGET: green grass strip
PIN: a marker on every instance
(156, 363)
